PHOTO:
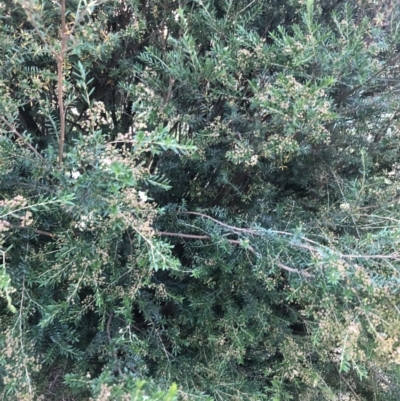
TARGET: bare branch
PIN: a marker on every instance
(233, 228)
(40, 232)
(350, 388)
(109, 341)
(393, 256)
(14, 130)
(190, 236)
(292, 270)
(236, 242)
(60, 65)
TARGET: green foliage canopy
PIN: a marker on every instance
(202, 193)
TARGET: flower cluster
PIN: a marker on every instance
(95, 117)
(242, 154)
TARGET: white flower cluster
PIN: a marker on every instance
(395, 173)
(241, 154)
(95, 116)
(84, 221)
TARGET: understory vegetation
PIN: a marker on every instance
(199, 200)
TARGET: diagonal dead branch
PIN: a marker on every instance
(14, 130)
(236, 242)
(244, 230)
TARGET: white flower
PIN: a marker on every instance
(75, 111)
(165, 32)
(75, 174)
(81, 225)
(106, 162)
(143, 197)
(345, 206)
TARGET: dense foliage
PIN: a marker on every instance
(203, 193)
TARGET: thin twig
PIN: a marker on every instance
(60, 65)
(292, 270)
(244, 230)
(109, 341)
(40, 232)
(194, 236)
(260, 232)
(248, 5)
(393, 256)
(169, 93)
(21, 336)
(350, 388)
(394, 201)
(190, 236)
(380, 217)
